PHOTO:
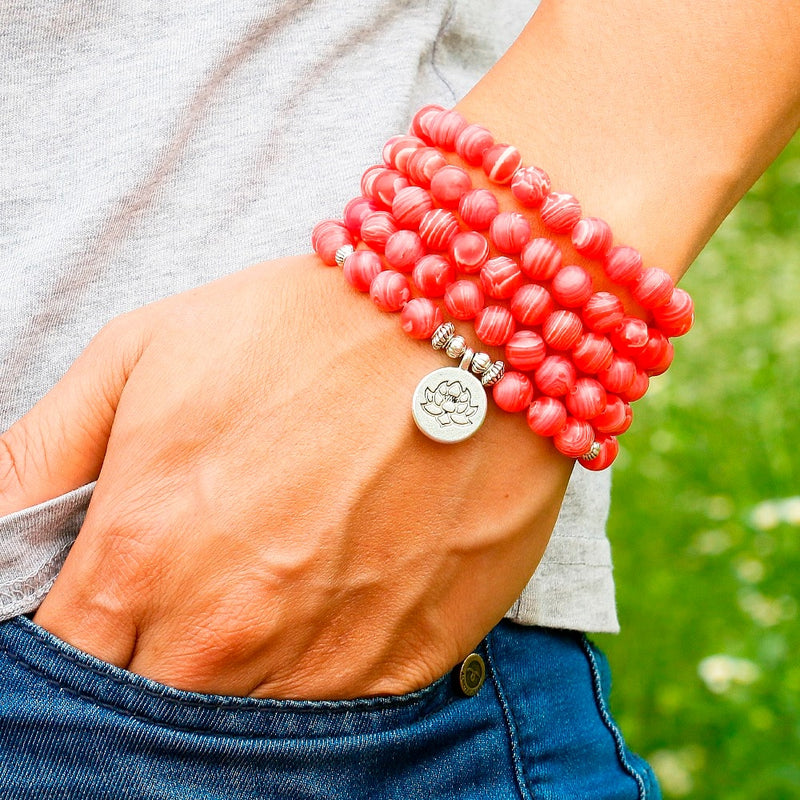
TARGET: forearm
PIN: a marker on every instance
(657, 116)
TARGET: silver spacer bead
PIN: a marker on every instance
(481, 362)
(594, 451)
(442, 335)
(342, 253)
(466, 359)
(456, 347)
(493, 374)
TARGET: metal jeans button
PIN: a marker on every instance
(471, 674)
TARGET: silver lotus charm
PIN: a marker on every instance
(449, 404)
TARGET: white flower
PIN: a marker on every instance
(719, 672)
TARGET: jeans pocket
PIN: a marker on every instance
(38, 660)
(72, 726)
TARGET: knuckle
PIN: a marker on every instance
(124, 337)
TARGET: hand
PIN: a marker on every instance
(267, 520)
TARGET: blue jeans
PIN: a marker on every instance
(539, 727)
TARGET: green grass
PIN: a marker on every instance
(705, 532)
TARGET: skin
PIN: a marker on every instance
(274, 530)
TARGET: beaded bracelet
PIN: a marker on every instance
(585, 356)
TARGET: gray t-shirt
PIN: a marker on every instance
(148, 147)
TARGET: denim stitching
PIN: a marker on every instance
(510, 726)
(238, 704)
(144, 719)
(609, 722)
(103, 704)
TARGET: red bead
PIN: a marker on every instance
(327, 237)
(638, 388)
(463, 299)
(575, 438)
(494, 325)
(423, 164)
(602, 312)
(386, 152)
(592, 237)
(655, 352)
(500, 162)
(630, 336)
(478, 208)
(403, 250)
(410, 205)
(513, 392)
(665, 362)
(592, 353)
(609, 449)
(449, 185)
(387, 185)
(530, 186)
(438, 227)
(619, 375)
(562, 329)
(420, 317)
(501, 277)
(656, 357)
(571, 286)
(445, 127)
(368, 179)
(432, 274)
(555, 376)
(616, 418)
(390, 290)
(472, 143)
(653, 288)
(361, 267)
(355, 211)
(376, 229)
(525, 350)
(587, 399)
(397, 150)
(541, 259)
(420, 124)
(546, 416)
(560, 212)
(677, 316)
(531, 304)
(469, 251)
(623, 264)
(509, 232)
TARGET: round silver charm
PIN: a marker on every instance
(449, 405)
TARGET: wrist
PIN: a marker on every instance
(625, 122)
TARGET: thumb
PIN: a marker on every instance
(60, 443)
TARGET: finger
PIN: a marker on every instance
(60, 443)
(99, 624)
(96, 601)
(210, 656)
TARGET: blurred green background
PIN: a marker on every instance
(706, 522)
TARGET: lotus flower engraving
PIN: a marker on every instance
(451, 403)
